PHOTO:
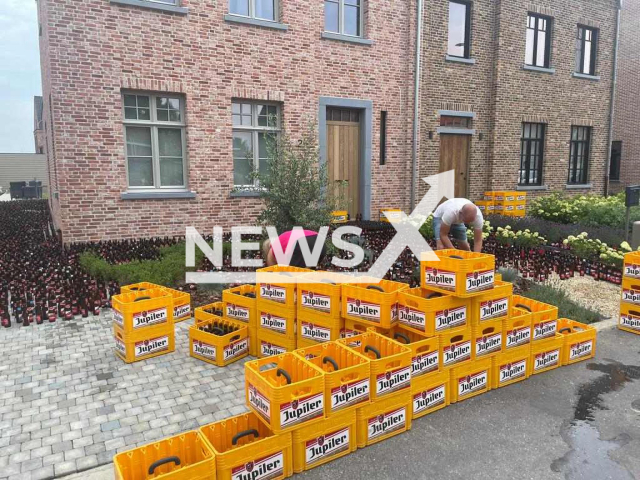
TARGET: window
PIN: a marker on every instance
(538, 48)
(616, 160)
(262, 9)
(579, 156)
(155, 137)
(343, 16)
(532, 153)
(383, 137)
(455, 122)
(586, 48)
(253, 126)
(459, 29)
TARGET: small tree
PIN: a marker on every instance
(295, 184)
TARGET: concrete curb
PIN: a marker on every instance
(105, 472)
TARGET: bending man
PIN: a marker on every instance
(451, 217)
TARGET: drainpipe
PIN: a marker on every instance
(416, 105)
(612, 108)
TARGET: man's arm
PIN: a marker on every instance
(477, 240)
(444, 235)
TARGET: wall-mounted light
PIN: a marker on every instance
(481, 136)
(430, 134)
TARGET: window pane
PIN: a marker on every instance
(457, 29)
(138, 142)
(242, 158)
(351, 20)
(140, 172)
(239, 7)
(169, 142)
(528, 58)
(265, 9)
(130, 113)
(143, 101)
(331, 17)
(168, 109)
(587, 58)
(171, 172)
(579, 51)
(130, 101)
(163, 115)
(542, 48)
(264, 142)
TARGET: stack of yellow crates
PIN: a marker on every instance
(181, 300)
(507, 203)
(143, 324)
(240, 305)
(630, 304)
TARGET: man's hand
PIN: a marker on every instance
(444, 236)
(477, 240)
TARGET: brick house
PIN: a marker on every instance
(625, 149)
(157, 111)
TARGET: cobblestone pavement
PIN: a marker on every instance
(67, 404)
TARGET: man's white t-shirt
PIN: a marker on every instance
(451, 212)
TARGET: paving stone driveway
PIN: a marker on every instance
(68, 404)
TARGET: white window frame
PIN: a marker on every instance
(254, 129)
(155, 124)
(341, 19)
(252, 11)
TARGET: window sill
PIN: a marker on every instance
(153, 6)
(593, 78)
(346, 38)
(468, 61)
(256, 22)
(585, 186)
(531, 188)
(531, 68)
(132, 195)
(245, 194)
(456, 131)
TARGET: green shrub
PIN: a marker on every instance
(567, 308)
(509, 275)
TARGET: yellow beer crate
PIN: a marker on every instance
(512, 366)
(346, 375)
(469, 380)
(136, 287)
(277, 285)
(212, 311)
(544, 321)
(505, 195)
(270, 344)
(579, 341)
(182, 457)
(483, 206)
(489, 196)
(339, 216)
(240, 305)
(457, 347)
(487, 339)
(323, 442)
(629, 318)
(631, 265)
(319, 295)
(631, 290)
(374, 303)
(547, 354)
(181, 305)
(244, 448)
(393, 215)
(429, 312)
(458, 272)
(316, 331)
(286, 391)
(138, 310)
(384, 418)
(158, 340)
(279, 320)
(353, 328)
(430, 393)
(219, 342)
(517, 329)
(492, 304)
(426, 355)
(390, 362)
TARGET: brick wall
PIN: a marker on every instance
(628, 95)
(92, 50)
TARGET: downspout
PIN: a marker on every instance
(416, 107)
(612, 107)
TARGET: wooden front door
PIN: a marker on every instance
(343, 155)
(454, 155)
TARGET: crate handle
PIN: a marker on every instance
(433, 295)
(282, 372)
(480, 265)
(348, 378)
(394, 364)
(634, 312)
(398, 335)
(375, 351)
(523, 307)
(457, 257)
(239, 435)
(163, 461)
(409, 302)
(565, 329)
(142, 298)
(455, 339)
(137, 289)
(518, 323)
(488, 330)
(233, 339)
(423, 348)
(376, 287)
(330, 360)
